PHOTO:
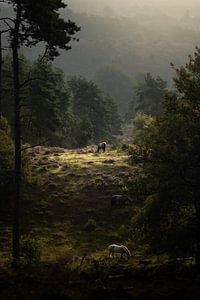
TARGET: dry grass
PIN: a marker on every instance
(69, 189)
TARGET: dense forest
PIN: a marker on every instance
(99, 150)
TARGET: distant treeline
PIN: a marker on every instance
(68, 113)
(132, 47)
(117, 52)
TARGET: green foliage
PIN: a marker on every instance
(48, 104)
(30, 249)
(87, 102)
(84, 132)
(141, 126)
(139, 185)
(112, 118)
(72, 115)
(149, 94)
(97, 116)
(170, 154)
(116, 145)
(41, 22)
(44, 112)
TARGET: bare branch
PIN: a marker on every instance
(10, 27)
(30, 147)
(29, 80)
(44, 54)
(4, 31)
(7, 19)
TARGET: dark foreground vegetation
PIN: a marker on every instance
(66, 231)
(99, 280)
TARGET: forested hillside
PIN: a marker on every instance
(132, 45)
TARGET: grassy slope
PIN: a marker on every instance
(68, 189)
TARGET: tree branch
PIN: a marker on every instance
(7, 19)
(30, 147)
(29, 79)
(44, 54)
(10, 27)
(4, 31)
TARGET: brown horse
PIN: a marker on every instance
(101, 146)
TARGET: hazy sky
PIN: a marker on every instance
(171, 7)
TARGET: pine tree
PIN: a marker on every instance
(33, 22)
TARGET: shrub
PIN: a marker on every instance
(124, 147)
(30, 249)
(91, 225)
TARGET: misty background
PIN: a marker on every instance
(121, 41)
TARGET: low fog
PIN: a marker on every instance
(121, 41)
(131, 7)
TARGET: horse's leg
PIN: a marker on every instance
(110, 254)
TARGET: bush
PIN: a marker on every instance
(125, 147)
(30, 249)
(116, 146)
(91, 225)
(141, 126)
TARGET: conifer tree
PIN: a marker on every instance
(32, 22)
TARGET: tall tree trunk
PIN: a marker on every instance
(17, 134)
(197, 246)
(1, 63)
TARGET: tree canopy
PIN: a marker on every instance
(149, 94)
(170, 151)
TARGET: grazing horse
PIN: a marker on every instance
(101, 146)
(112, 249)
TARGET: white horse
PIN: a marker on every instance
(112, 249)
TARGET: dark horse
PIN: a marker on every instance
(101, 146)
